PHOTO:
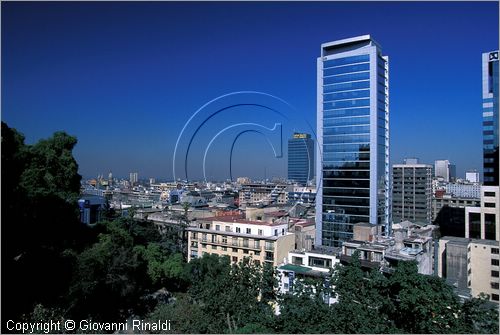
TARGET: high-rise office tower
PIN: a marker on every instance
(445, 170)
(353, 138)
(490, 118)
(134, 178)
(412, 192)
(301, 158)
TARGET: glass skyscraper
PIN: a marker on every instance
(490, 118)
(300, 158)
(353, 139)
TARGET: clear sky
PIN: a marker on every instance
(124, 78)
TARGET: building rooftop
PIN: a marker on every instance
(346, 41)
(239, 219)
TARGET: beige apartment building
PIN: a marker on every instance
(236, 237)
(471, 266)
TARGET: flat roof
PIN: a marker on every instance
(346, 41)
(239, 219)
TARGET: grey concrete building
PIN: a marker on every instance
(412, 193)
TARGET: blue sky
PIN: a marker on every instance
(124, 78)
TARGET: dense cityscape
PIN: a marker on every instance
(348, 241)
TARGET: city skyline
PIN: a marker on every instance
(127, 97)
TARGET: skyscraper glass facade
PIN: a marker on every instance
(353, 138)
(490, 118)
(300, 158)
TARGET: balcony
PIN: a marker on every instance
(233, 243)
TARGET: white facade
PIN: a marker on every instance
(461, 190)
(484, 222)
(472, 176)
(309, 264)
(445, 170)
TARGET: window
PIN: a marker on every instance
(235, 249)
(494, 273)
(494, 297)
(276, 232)
(494, 262)
(245, 242)
(228, 228)
(257, 244)
(285, 286)
(204, 237)
(214, 247)
(494, 251)
(214, 238)
(235, 259)
(283, 231)
(224, 239)
(207, 226)
(489, 204)
(238, 230)
(269, 245)
(224, 248)
(489, 226)
(204, 246)
(194, 236)
(257, 253)
(217, 227)
(494, 285)
(235, 241)
(489, 194)
(245, 251)
(249, 230)
(319, 262)
(260, 232)
(474, 225)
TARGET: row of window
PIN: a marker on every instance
(346, 78)
(354, 85)
(345, 61)
(346, 95)
(351, 130)
(346, 104)
(346, 69)
(346, 121)
(364, 165)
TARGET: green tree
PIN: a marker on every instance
(364, 302)
(479, 316)
(110, 268)
(40, 184)
(423, 304)
(164, 269)
(229, 294)
(185, 315)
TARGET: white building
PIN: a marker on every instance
(483, 222)
(463, 190)
(307, 264)
(472, 176)
(445, 170)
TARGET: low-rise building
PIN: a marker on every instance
(237, 237)
(410, 242)
(471, 266)
(255, 194)
(302, 265)
(483, 222)
(464, 190)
